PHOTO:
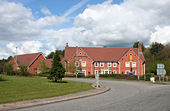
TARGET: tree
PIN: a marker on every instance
(136, 45)
(24, 70)
(155, 47)
(49, 56)
(8, 69)
(61, 54)
(43, 67)
(57, 71)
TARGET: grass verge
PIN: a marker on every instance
(17, 88)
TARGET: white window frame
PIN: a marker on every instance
(83, 63)
(127, 71)
(126, 64)
(109, 63)
(101, 64)
(95, 64)
(114, 71)
(133, 64)
(114, 64)
(96, 71)
(84, 72)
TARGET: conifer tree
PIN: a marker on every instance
(57, 71)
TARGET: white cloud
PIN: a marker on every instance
(103, 24)
(75, 7)
(161, 35)
(45, 11)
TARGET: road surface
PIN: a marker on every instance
(123, 96)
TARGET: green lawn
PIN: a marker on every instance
(26, 88)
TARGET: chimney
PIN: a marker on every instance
(140, 47)
(67, 44)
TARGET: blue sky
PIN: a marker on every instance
(47, 25)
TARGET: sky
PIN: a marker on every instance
(44, 26)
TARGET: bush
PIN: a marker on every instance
(74, 75)
(148, 75)
(8, 69)
(120, 76)
(2, 78)
(44, 74)
(23, 70)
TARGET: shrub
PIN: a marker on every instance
(148, 75)
(2, 78)
(8, 69)
(120, 76)
(23, 70)
(74, 75)
(44, 74)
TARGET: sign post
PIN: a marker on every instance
(161, 71)
(97, 80)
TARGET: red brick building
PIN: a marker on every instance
(47, 63)
(29, 60)
(105, 60)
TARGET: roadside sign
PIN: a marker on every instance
(160, 66)
(161, 72)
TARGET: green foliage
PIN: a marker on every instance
(74, 75)
(136, 45)
(156, 47)
(50, 56)
(23, 70)
(2, 78)
(43, 67)
(148, 75)
(19, 88)
(8, 68)
(57, 71)
(61, 54)
(44, 74)
(157, 53)
(119, 76)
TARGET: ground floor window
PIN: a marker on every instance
(106, 72)
(114, 72)
(84, 72)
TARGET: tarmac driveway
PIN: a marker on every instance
(123, 96)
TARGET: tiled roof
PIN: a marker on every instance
(101, 53)
(26, 59)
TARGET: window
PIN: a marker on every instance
(133, 64)
(101, 64)
(96, 71)
(109, 64)
(127, 64)
(114, 64)
(80, 53)
(96, 64)
(84, 72)
(130, 54)
(106, 72)
(83, 63)
(77, 64)
(114, 72)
